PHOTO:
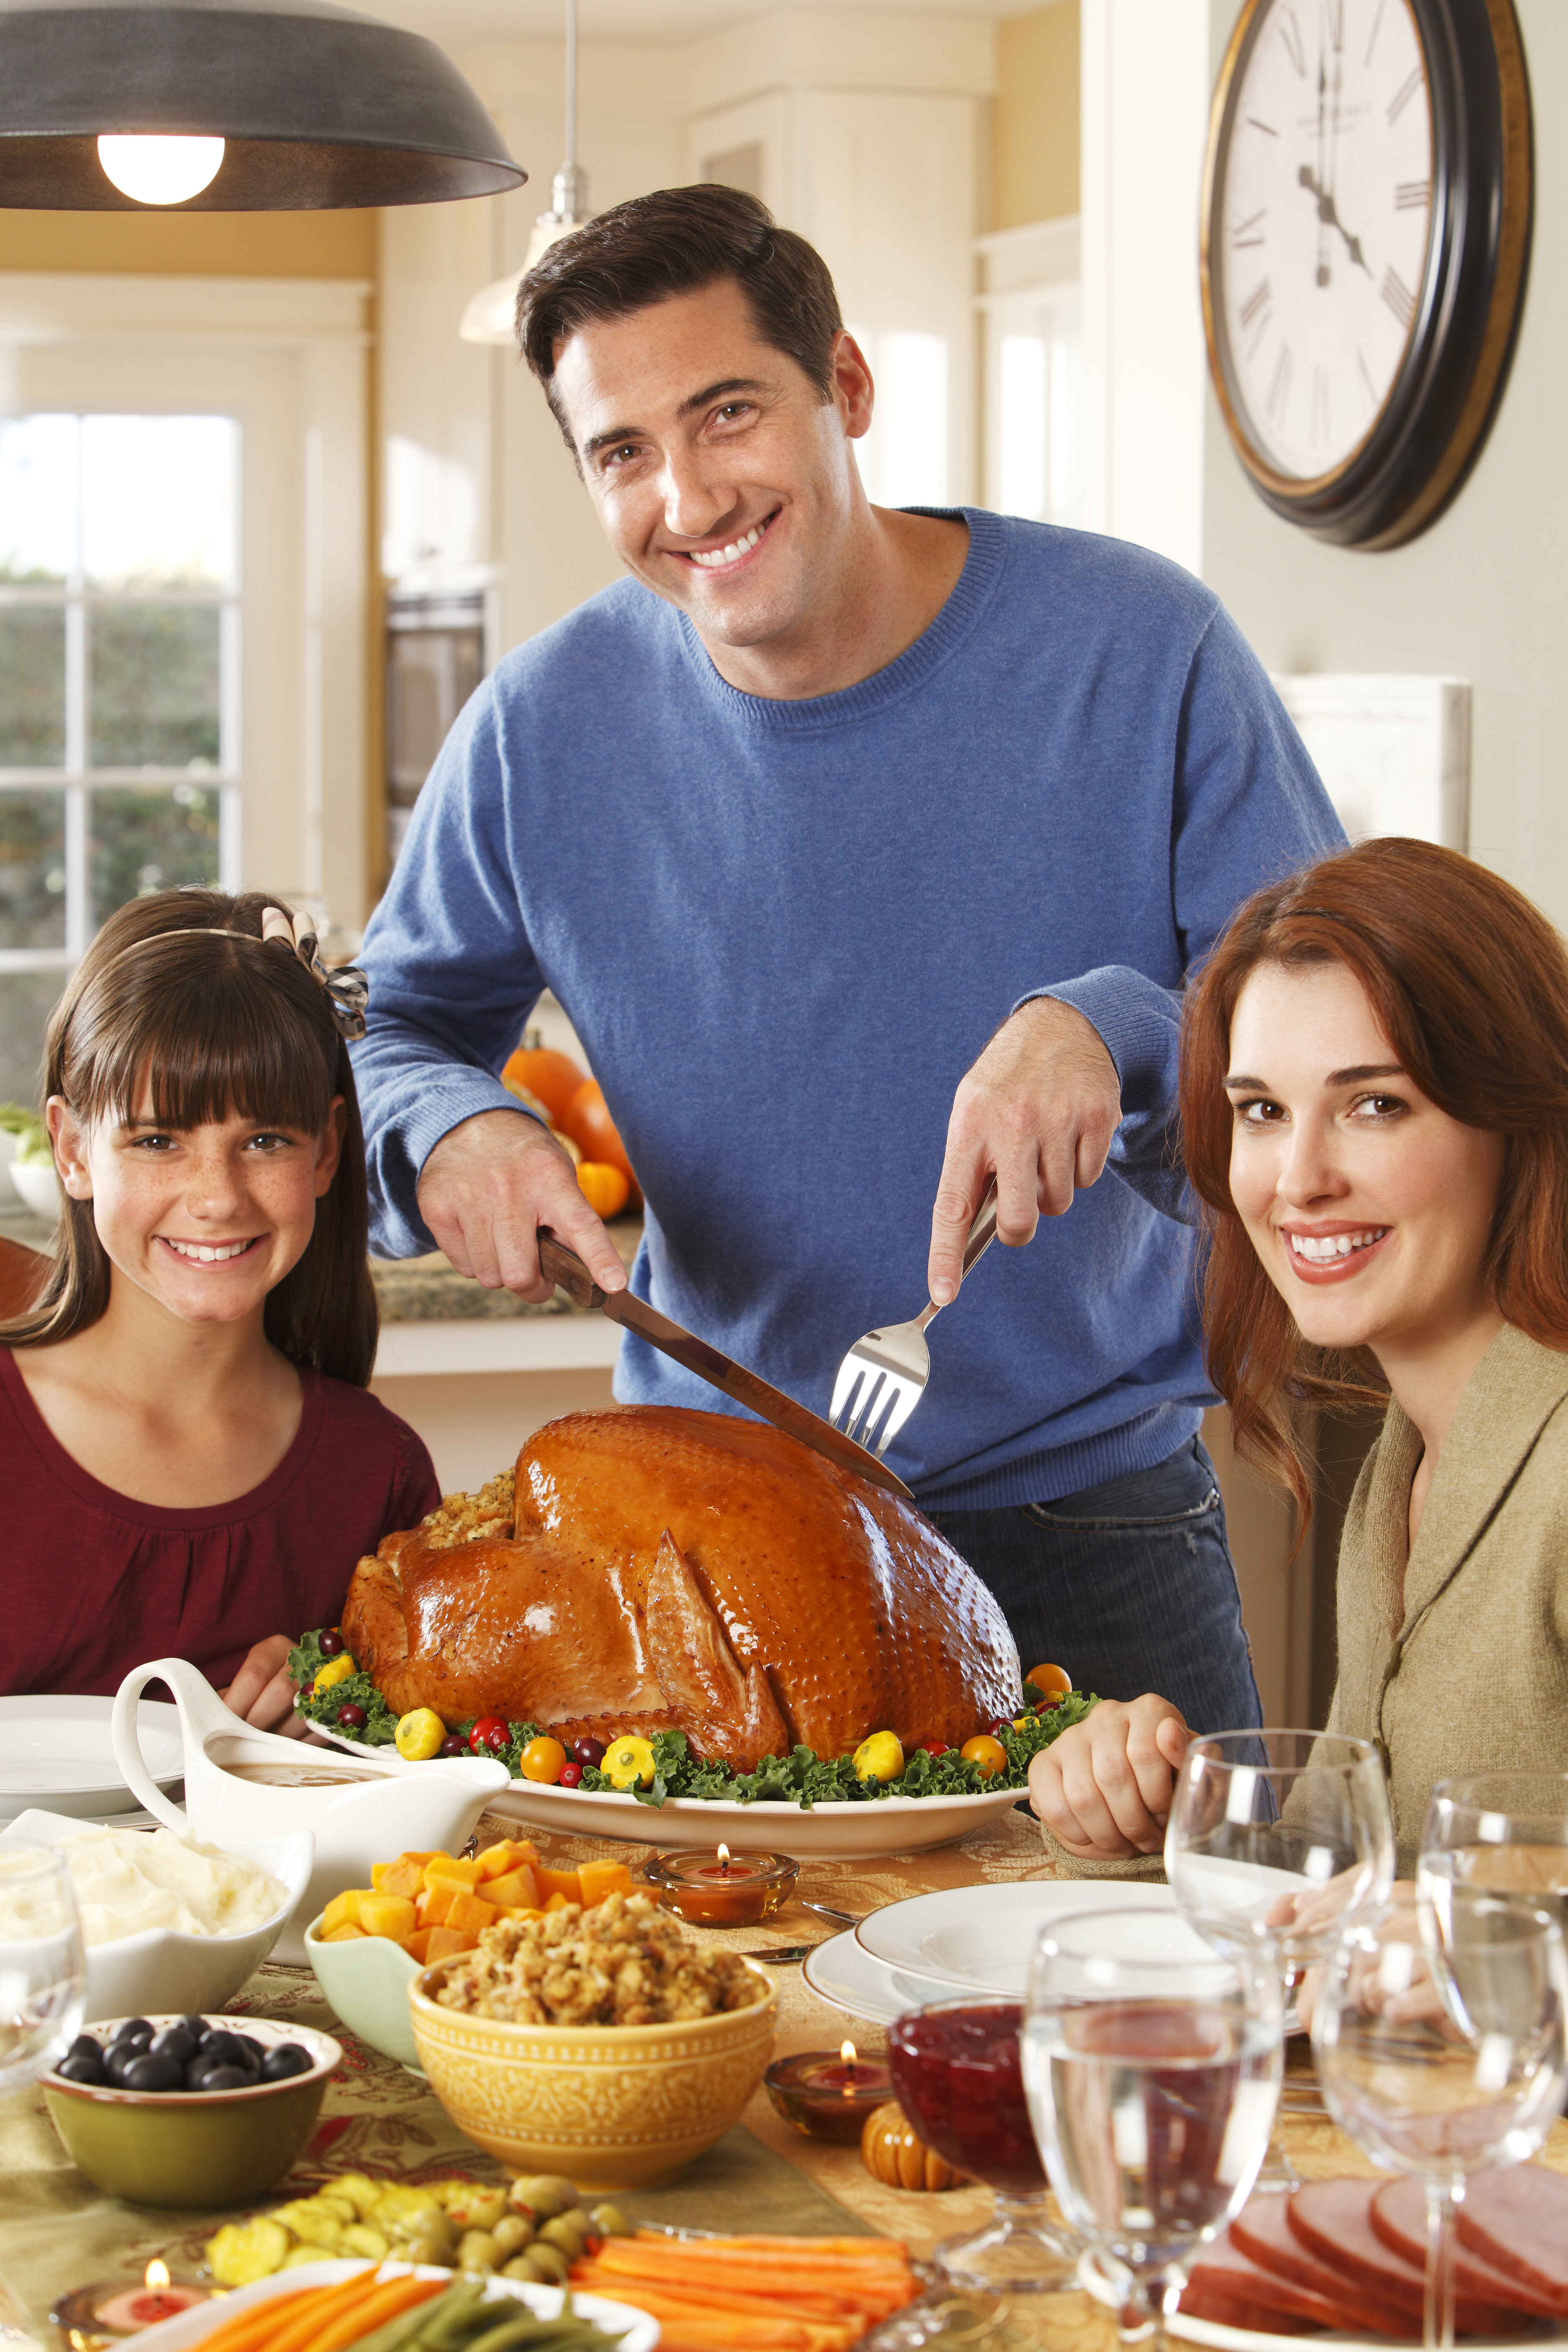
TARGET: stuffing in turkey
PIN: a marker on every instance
(655, 1568)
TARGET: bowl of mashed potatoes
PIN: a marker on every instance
(169, 1925)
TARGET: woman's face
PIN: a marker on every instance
(1370, 1208)
(204, 1219)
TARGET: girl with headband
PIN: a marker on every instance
(190, 1461)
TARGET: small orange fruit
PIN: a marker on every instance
(988, 1753)
(1054, 1681)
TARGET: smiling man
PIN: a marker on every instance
(867, 850)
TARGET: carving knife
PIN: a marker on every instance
(565, 1269)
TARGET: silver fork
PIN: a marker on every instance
(883, 1376)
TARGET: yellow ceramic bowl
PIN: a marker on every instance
(610, 2107)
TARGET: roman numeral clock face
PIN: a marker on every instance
(1325, 216)
(1367, 207)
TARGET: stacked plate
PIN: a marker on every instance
(978, 1939)
(57, 1751)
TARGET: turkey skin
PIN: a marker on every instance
(655, 1568)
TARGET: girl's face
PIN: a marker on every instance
(204, 1219)
(1370, 1208)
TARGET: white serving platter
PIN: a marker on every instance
(844, 1831)
(57, 1751)
(636, 2331)
(979, 1938)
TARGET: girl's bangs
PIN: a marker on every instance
(209, 1046)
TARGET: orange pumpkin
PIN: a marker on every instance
(587, 1119)
(893, 2153)
(553, 1078)
(604, 1188)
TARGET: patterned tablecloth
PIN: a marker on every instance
(58, 2233)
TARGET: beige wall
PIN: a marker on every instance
(1034, 151)
(1484, 594)
(193, 245)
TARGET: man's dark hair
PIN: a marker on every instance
(675, 242)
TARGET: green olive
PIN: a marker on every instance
(477, 2251)
(512, 2233)
(563, 2232)
(549, 2264)
(520, 2267)
(610, 2222)
(484, 2209)
(429, 2247)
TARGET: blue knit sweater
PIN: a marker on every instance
(784, 931)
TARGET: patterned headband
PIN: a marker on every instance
(347, 991)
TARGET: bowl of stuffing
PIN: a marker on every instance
(605, 2045)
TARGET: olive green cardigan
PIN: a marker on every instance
(1457, 1657)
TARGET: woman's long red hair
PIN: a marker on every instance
(1470, 983)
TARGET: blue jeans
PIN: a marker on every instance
(1127, 1586)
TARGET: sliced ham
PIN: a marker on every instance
(1333, 2218)
(1228, 2286)
(1262, 2231)
(1399, 2218)
(1517, 2222)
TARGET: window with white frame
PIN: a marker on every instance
(1031, 311)
(120, 637)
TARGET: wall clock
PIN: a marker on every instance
(1365, 247)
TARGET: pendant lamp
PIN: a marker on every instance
(489, 316)
(233, 105)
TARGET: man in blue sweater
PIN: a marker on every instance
(868, 852)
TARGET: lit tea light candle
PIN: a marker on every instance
(733, 1890)
(824, 2096)
(158, 2297)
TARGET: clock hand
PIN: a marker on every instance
(1327, 212)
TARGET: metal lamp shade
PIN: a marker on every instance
(320, 107)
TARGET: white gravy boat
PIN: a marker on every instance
(241, 1783)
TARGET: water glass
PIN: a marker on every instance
(42, 1971)
(1151, 2085)
(1505, 1831)
(1441, 2039)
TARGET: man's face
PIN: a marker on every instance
(721, 479)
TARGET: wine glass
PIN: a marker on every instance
(955, 2067)
(42, 1971)
(1151, 2083)
(1506, 1831)
(1441, 2037)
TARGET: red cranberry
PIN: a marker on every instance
(330, 1642)
(571, 1773)
(1002, 1723)
(352, 1717)
(587, 1751)
(452, 1746)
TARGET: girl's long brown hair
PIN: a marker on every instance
(1470, 983)
(219, 1028)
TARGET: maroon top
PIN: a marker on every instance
(93, 1582)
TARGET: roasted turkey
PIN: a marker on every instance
(653, 1570)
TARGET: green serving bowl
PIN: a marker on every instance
(194, 2150)
(366, 1980)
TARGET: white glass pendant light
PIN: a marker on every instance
(489, 317)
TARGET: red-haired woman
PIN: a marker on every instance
(1374, 1116)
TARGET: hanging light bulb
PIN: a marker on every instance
(159, 171)
(489, 316)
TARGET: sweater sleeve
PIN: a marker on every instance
(453, 976)
(1247, 808)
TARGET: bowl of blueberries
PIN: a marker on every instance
(195, 2112)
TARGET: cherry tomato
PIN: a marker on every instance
(588, 1751)
(988, 1753)
(542, 1759)
(490, 1736)
(352, 1717)
(571, 1773)
(452, 1746)
(1055, 1681)
(329, 1643)
(934, 1747)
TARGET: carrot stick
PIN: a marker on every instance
(298, 2331)
(384, 2303)
(246, 2330)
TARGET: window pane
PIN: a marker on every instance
(159, 500)
(32, 870)
(27, 1001)
(152, 686)
(37, 497)
(32, 686)
(142, 841)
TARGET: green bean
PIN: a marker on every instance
(402, 2333)
(446, 2319)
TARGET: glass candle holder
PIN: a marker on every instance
(107, 2313)
(722, 1889)
(828, 2095)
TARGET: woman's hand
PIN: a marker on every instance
(1104, 1788)
(262, 1692)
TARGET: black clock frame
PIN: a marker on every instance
(1441, 405)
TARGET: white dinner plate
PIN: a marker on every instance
(56, 1751)
(841, 1974)
(636, 2331)
(980, 1938)
(846, 1831)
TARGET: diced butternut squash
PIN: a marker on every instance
(386, 1914)
(522, 1913)
(444, 1942)
(345, 1934)
(460, 1873)
(418, 1945)
(500, 1860)
(403, 1877)
(343, 1911)
(568, 1883)
(601, 1878)
(519, 1890)
(471, 1913)
(433, 1905)
(558, 1903)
